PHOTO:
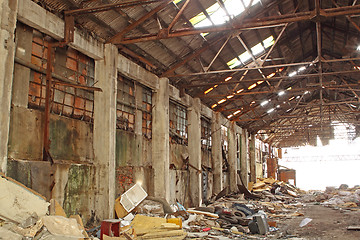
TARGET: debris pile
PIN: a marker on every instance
(243, 215)
(342, 197)
(25, 214)
(275, 187)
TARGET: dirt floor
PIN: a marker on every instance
(327, 223)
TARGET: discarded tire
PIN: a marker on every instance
(239, 214)
(229, 218)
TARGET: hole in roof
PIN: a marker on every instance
(292, 74)
(264, 103)
(256, 50)
(270, 110)
(217, 14)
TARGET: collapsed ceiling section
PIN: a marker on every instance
(285, 69)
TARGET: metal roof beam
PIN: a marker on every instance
(267, 22)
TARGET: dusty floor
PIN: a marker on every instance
(326, 223)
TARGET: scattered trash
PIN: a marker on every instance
(226, 216)
(305, 222)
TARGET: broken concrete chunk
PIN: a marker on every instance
(30, 221)
(150, 207)
(80, 223)
(61, 226)
(20, 202)
(7, 234)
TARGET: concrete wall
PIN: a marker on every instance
(73, 187)
(133, 162)
(70, 180)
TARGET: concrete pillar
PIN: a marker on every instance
(8, 13)
(216, 154)
(105, 131)
(243, 158)
(252, 159)
(232, 158)
(194, 127)
(160, 140)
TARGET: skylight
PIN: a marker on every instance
(270, 110)
(281, 93)
(264, 103)
(217, 14)
(256, 50)
(245, 57)
(292, 74)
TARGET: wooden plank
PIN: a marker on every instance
(353, 228)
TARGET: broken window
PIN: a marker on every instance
(125, 104)
(205, 133)
(146, 112)
(178, 123)
(224, 147)
(70, 64)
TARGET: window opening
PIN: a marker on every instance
(147, 112)
(205, 133)
(178, 123)
(71, 64)
(125, 104)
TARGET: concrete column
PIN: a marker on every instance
(194, 115)
(160, 140)
(252, 159)
(216, 154)
(105, 131)
(8, 13)
(232, 158)
(243, 158)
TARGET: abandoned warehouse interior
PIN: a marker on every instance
(190, 99)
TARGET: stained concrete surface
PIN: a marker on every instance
(326, 223)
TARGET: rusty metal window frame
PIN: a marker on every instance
(125, 104)
(66, 100)
(178, 123)
(205, 133)
(146, 112)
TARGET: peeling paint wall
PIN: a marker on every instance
(73, 187)
(180, 187)
(179, 176)
(70, 179)
(71, 140)
(177, 154)
(207, 177)
(133, 161)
